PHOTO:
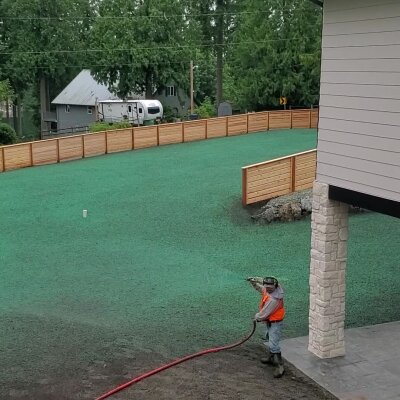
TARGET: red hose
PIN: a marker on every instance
(173, 363)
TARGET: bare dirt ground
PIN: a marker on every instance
(233, 374)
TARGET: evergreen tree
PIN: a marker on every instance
(276, 52)
(142, 45)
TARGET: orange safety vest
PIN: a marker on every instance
(278, 314)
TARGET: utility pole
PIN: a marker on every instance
(191, 88)
(219, 49)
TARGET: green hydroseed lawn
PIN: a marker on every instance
(160, 262)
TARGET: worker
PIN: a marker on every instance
(271, 313)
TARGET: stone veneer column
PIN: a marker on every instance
(329, 225)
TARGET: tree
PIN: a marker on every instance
(5, 90)
(41, 40)
(141, 45)
(276, 53)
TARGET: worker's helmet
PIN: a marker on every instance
(270, 281)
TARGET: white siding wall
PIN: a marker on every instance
(359, 126)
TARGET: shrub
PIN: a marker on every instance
(107, 126)
(7, 134)
(206, 109)
(169, 114)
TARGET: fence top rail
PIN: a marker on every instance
(279, 159)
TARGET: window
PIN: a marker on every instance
(171, 91)
(129, 109)
(67, 108)
(153, 110)
(90, 110)
(140, 110)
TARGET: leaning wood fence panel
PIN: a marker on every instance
(93, 144)
(278, 177)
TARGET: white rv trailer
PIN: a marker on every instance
(137, 112)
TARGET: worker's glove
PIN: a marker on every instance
(255, 279)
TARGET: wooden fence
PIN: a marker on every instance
(68, 148)
(277, 177)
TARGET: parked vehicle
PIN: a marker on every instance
(137, 112)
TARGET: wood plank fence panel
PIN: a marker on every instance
(171, 133)
(314, 118)
(17, 156)
(266, 180)
(305, 170)
(95, 144)
(216, 127)
(119, 140)
(145, 136)
(195, 130)
(300, 119)
(280, 119)
(237, 124)
(44, 152)
(70, 148)
(277, 177)
(258, 122)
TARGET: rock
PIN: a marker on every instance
(291, 207)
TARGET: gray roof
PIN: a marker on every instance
(83, 91)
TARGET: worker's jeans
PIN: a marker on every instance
(273, 336)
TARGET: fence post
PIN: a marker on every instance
(83, 146)
(31, 153)
(293, 174)
(106, 140)
(183, 132)
(206, 128)
(227, 126)
(158, 135)
(3, 159)
(133, 137)
(247, 123)
(244, 186)
(58, 150)
(267, 120)
(291, 119)
(309, 119)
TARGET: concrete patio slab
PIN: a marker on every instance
(370, 370)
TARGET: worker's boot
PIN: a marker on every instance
(279, 368)
(269, 359)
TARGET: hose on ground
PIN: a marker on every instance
(176, 362)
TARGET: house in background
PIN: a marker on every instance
(175, 98)
(75, 105)
(358, 153)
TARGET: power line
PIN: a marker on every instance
(158, 48)
(160, 16)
